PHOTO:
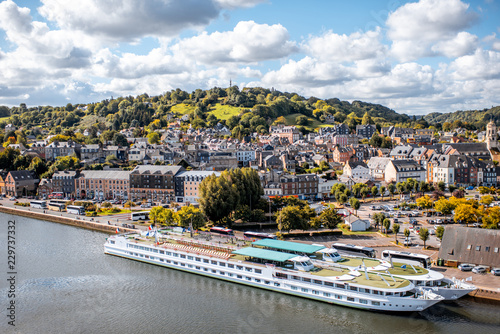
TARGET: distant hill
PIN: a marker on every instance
(478, 118)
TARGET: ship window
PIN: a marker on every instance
(222, 264)
(161, 260)
(296, 278)
(376, 292)
(190, 257)
(162, 252)
(258, 271)
(213, 262)
(197, 259)
(168, 261)
(350, 299)
(205, 269)
(315, 292)
(362, 290)
(375, 303)
(183, 256)
(388, 293)
(277, 284)
(318, 282)
(190, 266)
(338, 296)
(175, 263)
(248, 278)
(305, 279)
(340, 286)
(214, 271)
(304, 290)
(326, 294)
(168, 253)
(230, 265)
(183, 264)
(175, 254)
(198, 268)
(257, 280)
(229, 274)
(239, 267)
(267, 282)
(248, 269)
(328, 283)
(294, 287)
(205, 260)
(363, 301)
(353, 288)
(239, 276)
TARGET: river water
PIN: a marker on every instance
(65, 284)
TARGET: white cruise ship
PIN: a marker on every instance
(280, 271)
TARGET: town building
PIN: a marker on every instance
(187, 185)
(64, 182)
(402, 170)
(20, 183)
(155, 183)
(103, 184)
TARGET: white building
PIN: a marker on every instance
(402, 170)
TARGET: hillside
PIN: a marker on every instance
(478, 118)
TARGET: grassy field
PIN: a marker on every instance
(182, 109)
(106, 213)
(224, 111)
(6, 119)
(312, 125)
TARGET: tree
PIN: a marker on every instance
(492, 218)
(391, 188)
(378, 218)
(406, 233)
(155, 214)
(382, 192)
(366, 119)
(291, 217)
(395, 230)
(128, 204)
(329, 218)
(119, 139)
(374, 191)
(188, 214)
(486, 200)
(441, 185)
(387, 225)
(444, 206)
(425, 202)
(452, 188)
(154, 138)
(342, 199)
(465, 214)
(355, 204)
(424, 235)
(364, 192)
(440, 232)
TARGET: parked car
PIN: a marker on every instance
(479, 269)
(13, 198)
(432, 232)
(470, 188)
(407, 242)
(495, 271)
(466, 267)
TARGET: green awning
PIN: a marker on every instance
(288, 246)
(264, 254)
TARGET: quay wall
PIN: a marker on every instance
(485, 293)
(90, 225)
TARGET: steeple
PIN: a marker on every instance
(491, 135)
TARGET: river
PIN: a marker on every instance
(66, 284)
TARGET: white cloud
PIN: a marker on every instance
(429, 28)
(482, 65)
(129, 19)
(343, 48)
(248, 42)
(464, 43)
(232, 4)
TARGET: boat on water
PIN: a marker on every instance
(286, 270)
(422, 278)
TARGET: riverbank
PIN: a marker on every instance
(77, 222)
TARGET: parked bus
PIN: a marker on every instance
(354, 250)
(421, 260)
(140, 215)
(75, 209)
(56, 206)
(38, 204)
(221, 230)
(259, 235)
(56, 195)
(59, 201)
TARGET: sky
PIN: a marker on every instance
(415, 57)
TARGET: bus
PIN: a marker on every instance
(421, 260)
(75, 209)
(56, 195)
(140, 215)
(354, 250)
(221, 230)
(259, 235)
(58, 201)
(56, 206)
(38, 204)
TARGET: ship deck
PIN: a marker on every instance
(339, 275)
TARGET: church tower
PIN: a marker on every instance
(491, 135)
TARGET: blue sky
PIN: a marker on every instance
(416, 57)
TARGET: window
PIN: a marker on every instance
(239, 276)
(304, 290)
(248, 269)
(328, 283)
(306, 280)
(338, 296)
(205, 261)
(258, 271)
(469, 247)
(487, 249)
(318, 282)
(350, 299)
(230, 265)
(363, 301)
(375, 303)
(495, 250)
(478, 248)
(239, 267)
(294, 287)
(326, 294)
